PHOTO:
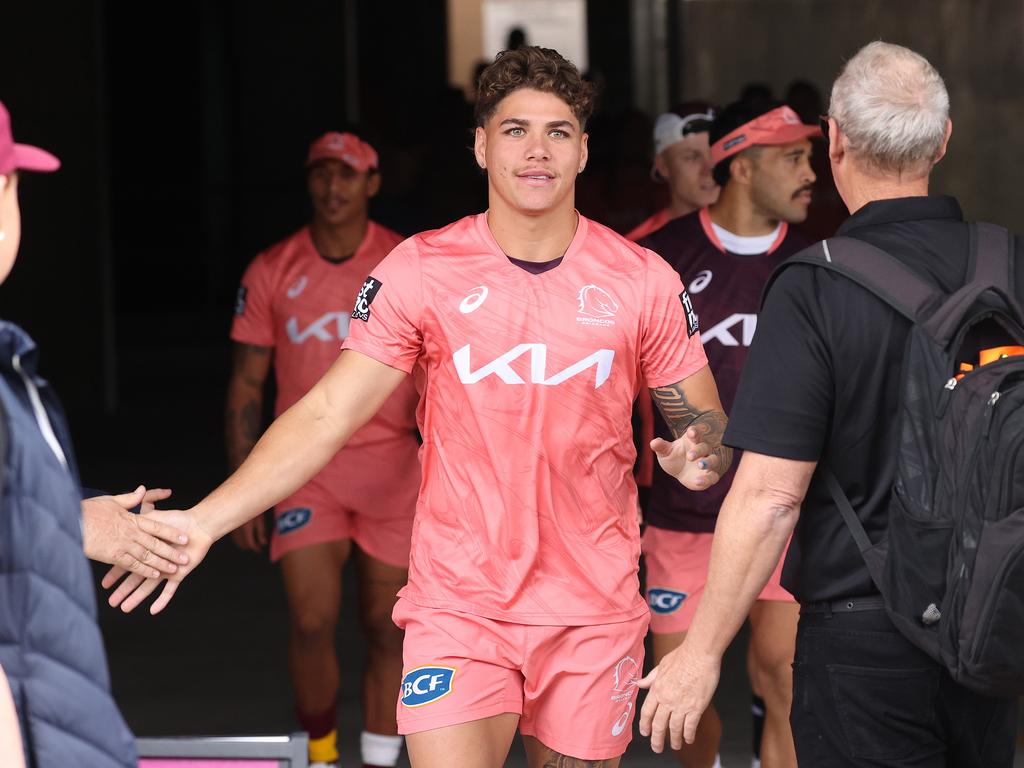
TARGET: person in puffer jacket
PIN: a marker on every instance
(52, 663)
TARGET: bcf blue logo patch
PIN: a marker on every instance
(665, 600)
(293, 519)
(425, 685)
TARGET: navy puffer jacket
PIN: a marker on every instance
(50, 645)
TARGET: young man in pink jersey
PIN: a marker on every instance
(724, 254)
(527, 329)
(682, 159)
(292, 312)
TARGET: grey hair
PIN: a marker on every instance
(892, 106)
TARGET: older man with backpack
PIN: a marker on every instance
(880, 414)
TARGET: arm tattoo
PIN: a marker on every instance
(680, 414)
(245, 408)
(554, 759)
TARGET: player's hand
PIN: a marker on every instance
(681, 688)
(690, 459)
(134, 589)
(251, 535)
(142, 545)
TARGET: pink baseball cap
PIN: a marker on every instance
(346, 147)
(777, 126)
(21, 157)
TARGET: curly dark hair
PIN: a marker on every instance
(542, 69)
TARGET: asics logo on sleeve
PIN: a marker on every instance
(476, 297)
(331, 326)
(425, 685)
(502, 366)
(665, 601)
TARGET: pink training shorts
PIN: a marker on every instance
(372, 502)
(677, 569)
(574, 687)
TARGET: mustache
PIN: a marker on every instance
(807, 188)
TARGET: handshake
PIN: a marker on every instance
(146, 548)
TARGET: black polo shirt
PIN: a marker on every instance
(822, 381)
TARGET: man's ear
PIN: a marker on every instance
(480, 147)
(741, 168)
(584, 152)
(945, 141)
(373, 184)
(836, 142)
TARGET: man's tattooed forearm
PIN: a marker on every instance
(680, 414)
(243, 431)
(554, 759)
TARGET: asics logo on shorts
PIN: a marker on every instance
(425, 685)
(665, 601)
(476, 297)
(293, 519)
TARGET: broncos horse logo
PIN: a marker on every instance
(596, 302)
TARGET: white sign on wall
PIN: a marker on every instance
(558, 24)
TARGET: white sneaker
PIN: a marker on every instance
(323, 765)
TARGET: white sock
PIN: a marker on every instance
(718, 762)
(755, 762)
(380, 750)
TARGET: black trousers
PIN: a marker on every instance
(865, 696)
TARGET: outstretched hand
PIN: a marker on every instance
(134, 589)
(142, 545)
(690, 459)
(681, 687)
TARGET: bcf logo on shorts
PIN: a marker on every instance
(293, 519)
(425, 685)
(665, 601)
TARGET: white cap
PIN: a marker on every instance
(670, 127)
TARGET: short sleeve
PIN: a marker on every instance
(254, 313)
(670, 348)
(386, 318)
(785, 399)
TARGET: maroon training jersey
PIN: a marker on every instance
(726, 292)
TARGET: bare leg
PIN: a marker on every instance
(312, 580)
(378, 589)
(772, 644)
(538, 755)
(700, 754)
(477, 744)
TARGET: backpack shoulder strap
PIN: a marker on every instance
(872, 268)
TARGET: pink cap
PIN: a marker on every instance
(778, 126)
(346, 147)
(21, 157)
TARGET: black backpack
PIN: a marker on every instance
(951, 565)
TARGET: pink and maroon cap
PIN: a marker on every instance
(21, 157)
(346, 147)
(777, 126)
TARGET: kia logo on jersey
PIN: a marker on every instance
(723, 332)
(365, 298)
(596, 302)
(330, 326)
(665, 601)
(425, 685)
(293, 519)
(502, 366)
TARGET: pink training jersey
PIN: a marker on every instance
(296, 301)
(527, 512)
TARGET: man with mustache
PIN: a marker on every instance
(724, 254)
(293, 310)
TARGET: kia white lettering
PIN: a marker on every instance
(320, 329)
(722, 332)
(502, 367)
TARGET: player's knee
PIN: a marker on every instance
(773, 675)
(382, 636)
(312, 624)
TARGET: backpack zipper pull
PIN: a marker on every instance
(951, 384)
(992, 400)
